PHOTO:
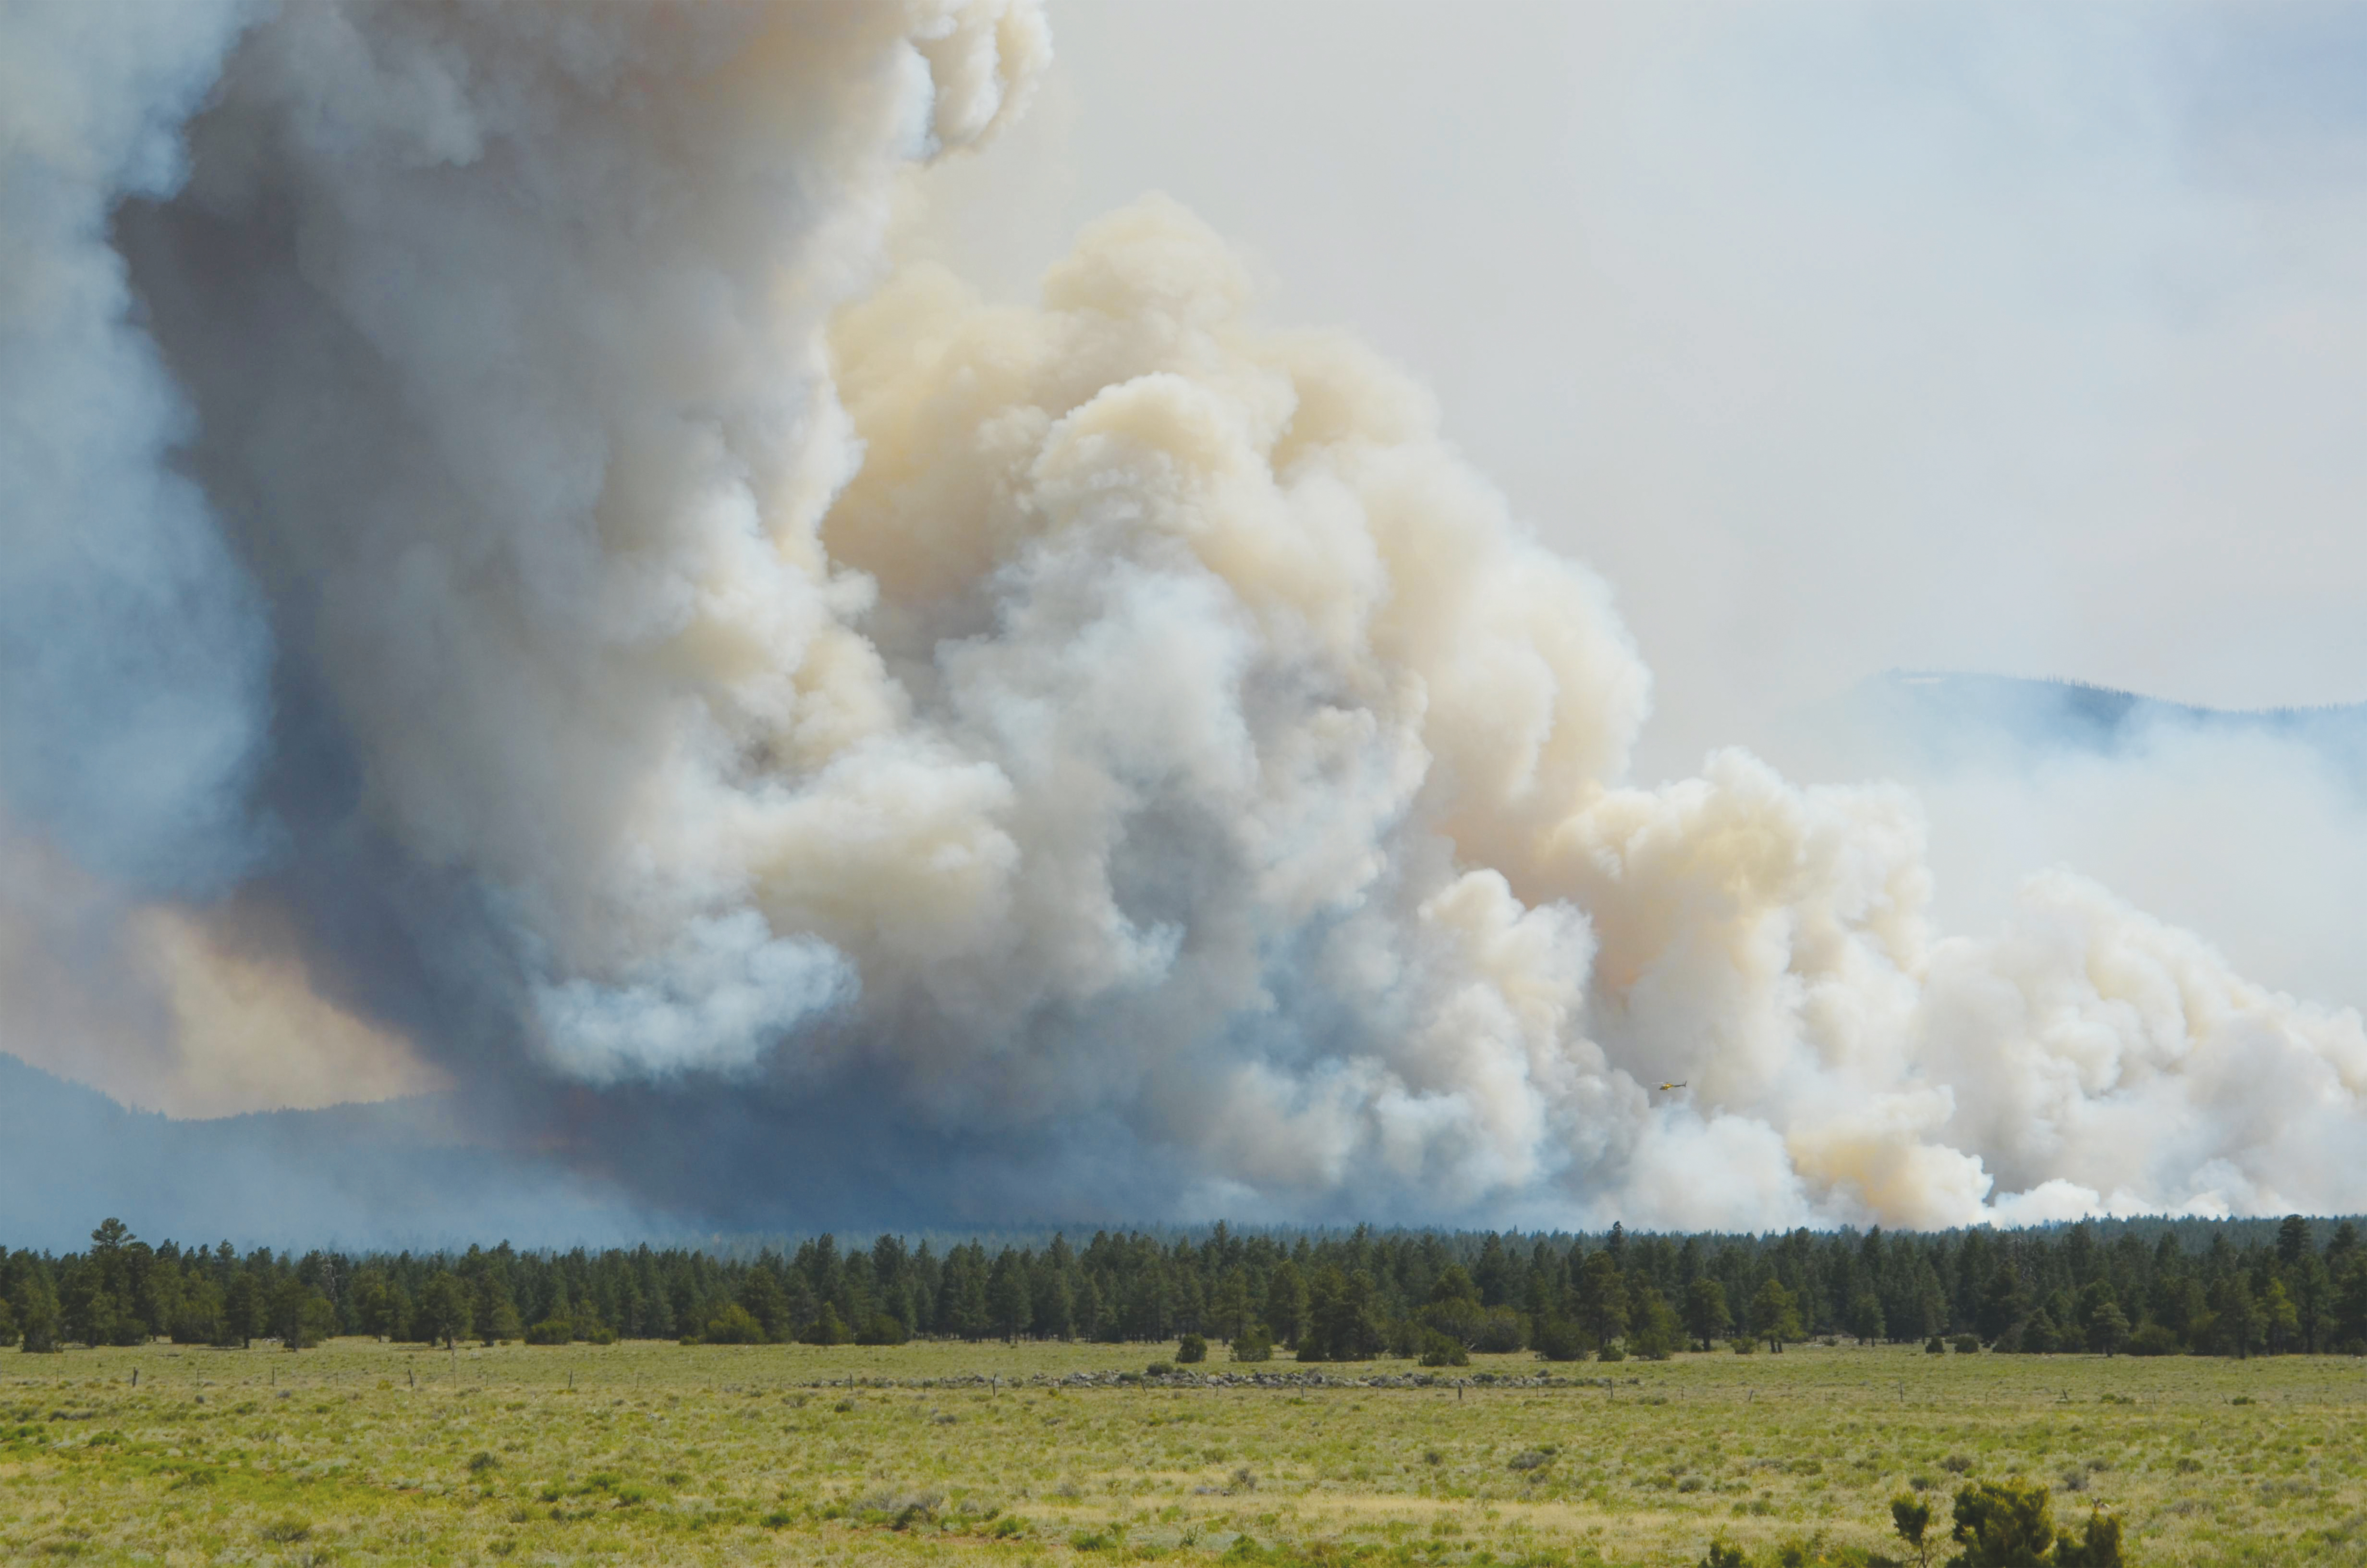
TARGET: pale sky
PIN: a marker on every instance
(1838, 338)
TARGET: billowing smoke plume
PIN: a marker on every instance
(756, 720)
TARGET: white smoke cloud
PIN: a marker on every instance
(721, 997)
(1103, 712)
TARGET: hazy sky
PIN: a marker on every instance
(1838, 338)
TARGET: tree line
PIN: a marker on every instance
(2146, 1287)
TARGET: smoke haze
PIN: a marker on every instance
(519, 596)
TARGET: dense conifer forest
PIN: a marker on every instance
(2233, 1287)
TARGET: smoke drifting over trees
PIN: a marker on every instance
(506, 565)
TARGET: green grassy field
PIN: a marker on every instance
(362, 1452)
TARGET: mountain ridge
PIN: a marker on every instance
(389, 1171)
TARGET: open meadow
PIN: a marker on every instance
(360, 1452)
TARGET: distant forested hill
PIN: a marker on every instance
(352, 1172)
(1939, 718)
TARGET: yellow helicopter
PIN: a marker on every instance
(1666, 1087)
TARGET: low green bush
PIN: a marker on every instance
(882, 1328)
(733, 1325)
(1439, 1350)
(1559, 1339)
(2007, 1524)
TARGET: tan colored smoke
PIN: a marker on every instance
(1107, 712)
(1136, 544)
(171, 1009)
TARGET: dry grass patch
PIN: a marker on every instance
(957, 1454)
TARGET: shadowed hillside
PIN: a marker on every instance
(396, 1173)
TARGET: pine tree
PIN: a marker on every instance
(242, 1311)
(1865, 1321)
(1653, 1328)
(762, 1295)
(442, 1316)
(37, 1313)
(1775, 1315)
(1341, 1325)
(830, 1328)
(1051, 1305)
(1708, 1318)
(1602, 1298)
(1286, 1304)
(499, 1322)
(2108, 1327)
(2280, 1320)
(1009, 1310)
(975, 1308)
